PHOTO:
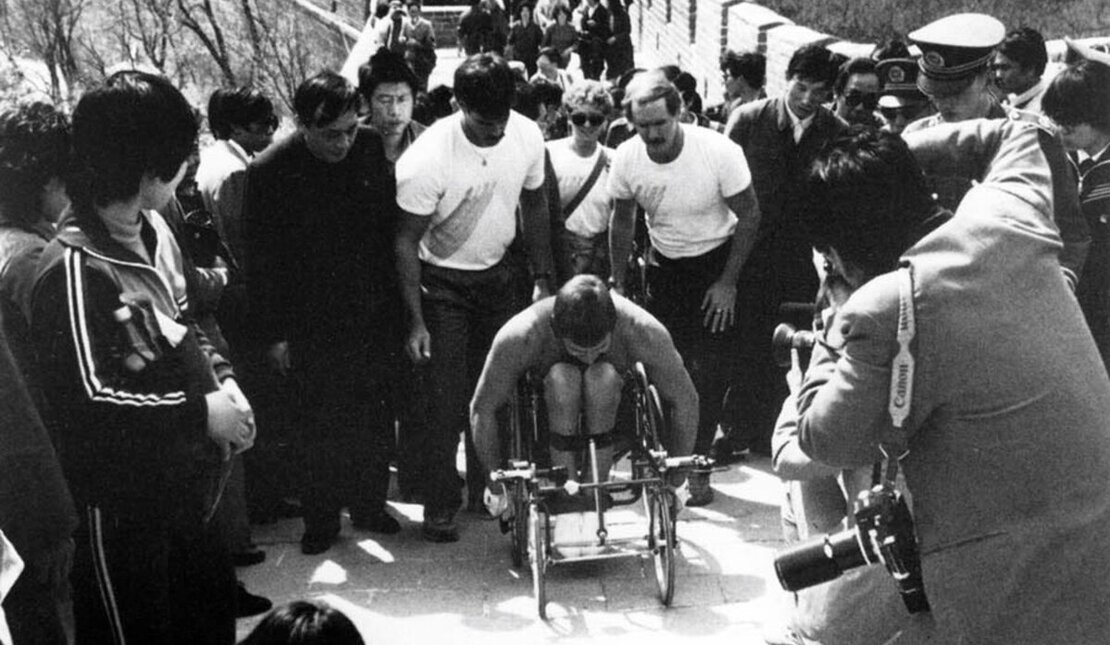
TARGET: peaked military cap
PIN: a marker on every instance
(898, 77)
(954, 49)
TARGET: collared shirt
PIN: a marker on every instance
(799, 124)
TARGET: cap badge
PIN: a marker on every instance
(934, 60)
(897, 75)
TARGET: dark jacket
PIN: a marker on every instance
(319, 237)
(134, 442)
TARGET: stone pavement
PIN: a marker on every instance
(401, 589)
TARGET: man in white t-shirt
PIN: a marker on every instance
(458, 186)
(702, 215)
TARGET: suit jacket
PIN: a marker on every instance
(595, 28)
(221, 181)
(764, 130)
(1009, 420)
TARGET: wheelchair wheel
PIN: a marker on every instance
(661, 542)
(518, 451)
(537, 547)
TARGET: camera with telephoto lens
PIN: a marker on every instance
(884, 533)
(787, 338)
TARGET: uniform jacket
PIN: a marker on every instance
(1093, 289)
(131, 441)
(950, 176)
(1009, 419)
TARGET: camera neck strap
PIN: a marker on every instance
(901, 377)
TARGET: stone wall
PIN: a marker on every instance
(662, 34)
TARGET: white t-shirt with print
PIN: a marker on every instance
(470, 193)
(684, 200)
(591, 217)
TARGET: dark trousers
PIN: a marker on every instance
(274, 471)
(676, 289)
(463, 310)
(39, 608)
(151, 581)
(348, 439)
(591, 58)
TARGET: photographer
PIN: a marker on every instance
(861, 607)
(998, 394)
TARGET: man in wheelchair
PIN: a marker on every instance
(582, 341)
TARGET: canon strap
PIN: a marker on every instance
(901, 376)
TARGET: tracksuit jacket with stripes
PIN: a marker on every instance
(131, 442)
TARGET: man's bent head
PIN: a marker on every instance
(867, 196)
(584, 317)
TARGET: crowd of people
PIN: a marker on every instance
(362, 293)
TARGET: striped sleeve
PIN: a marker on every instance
(99, 373)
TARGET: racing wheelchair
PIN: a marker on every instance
(531, 485)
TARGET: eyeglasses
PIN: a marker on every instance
(868, 100)
(581, 118)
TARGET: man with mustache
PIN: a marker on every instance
(702, 217)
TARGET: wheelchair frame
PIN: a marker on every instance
(529, 485)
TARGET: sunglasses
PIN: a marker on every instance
(580, 119)
(868, 101)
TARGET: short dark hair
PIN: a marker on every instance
(434, 105)
(136, 123)
(553, 54)
(34, 148)
(1025, 46)
(1080, 94)
(812, 63)
(240, 106)
(305, 623)
(385, 67)
(324, 98)
(893, 48)
(560, 9)
(485, 84)
(866, 195)
(584, 312)
(750, 66)
(858, 65)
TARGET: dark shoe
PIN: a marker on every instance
(379, 522)
(700, 492)
(313, 542)
(440, 527)
(248, 558)
(727, 449)
(248, 604)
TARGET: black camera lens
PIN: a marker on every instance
(818, 560)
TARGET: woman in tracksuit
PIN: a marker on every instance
(144, 412)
